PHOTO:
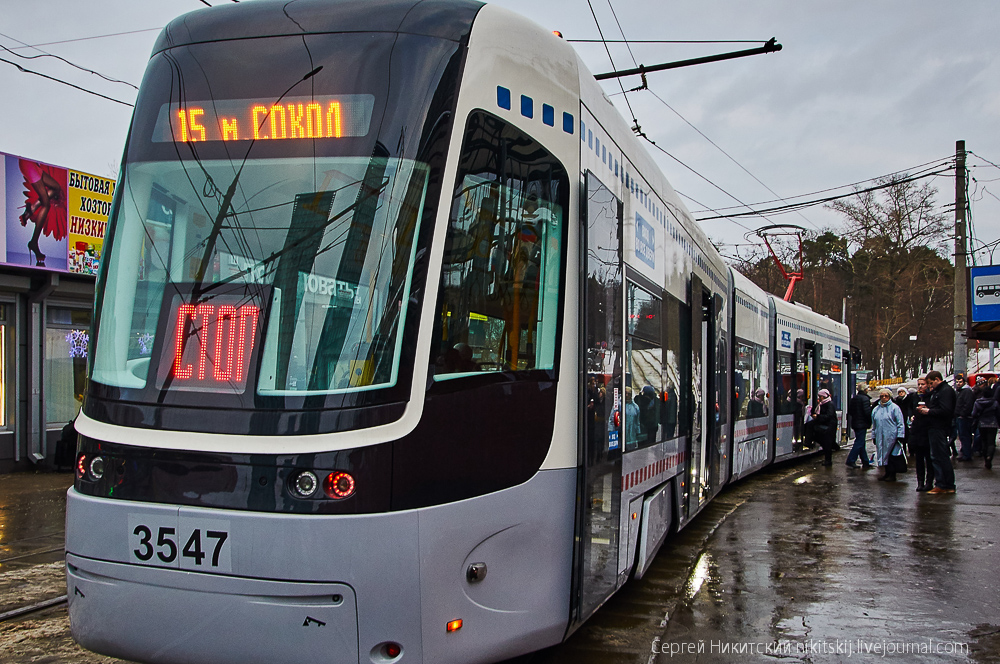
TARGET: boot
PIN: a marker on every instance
(885, 474)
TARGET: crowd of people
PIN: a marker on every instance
(926, 423)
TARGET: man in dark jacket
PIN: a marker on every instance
(940, 408)
(859, 412)
(964, 402)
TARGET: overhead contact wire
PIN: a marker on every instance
(72, 85)
(635, 122)
(57, 57)
(731, 158)
(805, 204)
(915, 170)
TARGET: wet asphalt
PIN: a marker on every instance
(815, 564)
(798, 563)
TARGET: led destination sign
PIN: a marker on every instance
(207, 347)
(291, 118)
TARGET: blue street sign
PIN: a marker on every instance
(985, 288)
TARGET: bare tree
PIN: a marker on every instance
(900, 277)
(890, 262)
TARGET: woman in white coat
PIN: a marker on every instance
(888, 426)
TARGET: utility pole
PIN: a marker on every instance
(961, 287)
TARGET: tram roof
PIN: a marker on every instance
(446, 19)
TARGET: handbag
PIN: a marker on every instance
(896, 462)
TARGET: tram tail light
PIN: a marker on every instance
(454, 625)
(90, 468)
(339, 485)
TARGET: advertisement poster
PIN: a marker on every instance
(89, 208)
(55, 218)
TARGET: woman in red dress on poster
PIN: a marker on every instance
(45, 205)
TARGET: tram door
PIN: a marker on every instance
(702, 397)
(602, 439)
(804, 381)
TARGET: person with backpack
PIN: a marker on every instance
(986, 415)
(964, 400)
(66, 447)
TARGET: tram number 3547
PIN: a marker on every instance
(185, 543)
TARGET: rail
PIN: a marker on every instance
(40, 605)
(31, 608)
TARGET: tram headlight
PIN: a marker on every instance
(339, 485)
(305, 484)
(97, 467)
(81, 466)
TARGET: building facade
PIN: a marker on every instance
(50, 249)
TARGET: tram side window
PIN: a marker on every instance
(498, 307)
(784, 395)
(675, 411)
(752, 399)
(830, 374)
(644, 384)
(721, 362)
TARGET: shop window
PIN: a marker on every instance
(4, 331)
(67, 344)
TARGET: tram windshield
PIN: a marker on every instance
(266, 228)
(330, 264)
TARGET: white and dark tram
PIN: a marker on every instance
(404, 348)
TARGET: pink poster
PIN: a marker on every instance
(37, 199)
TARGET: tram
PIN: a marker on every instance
(404, 348)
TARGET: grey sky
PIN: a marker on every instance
(861, 89)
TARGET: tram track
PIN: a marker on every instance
(17, 550)
(31, 554)
(32, 608)
(23, 559)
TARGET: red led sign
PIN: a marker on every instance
(320, 117)
(208, 346)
